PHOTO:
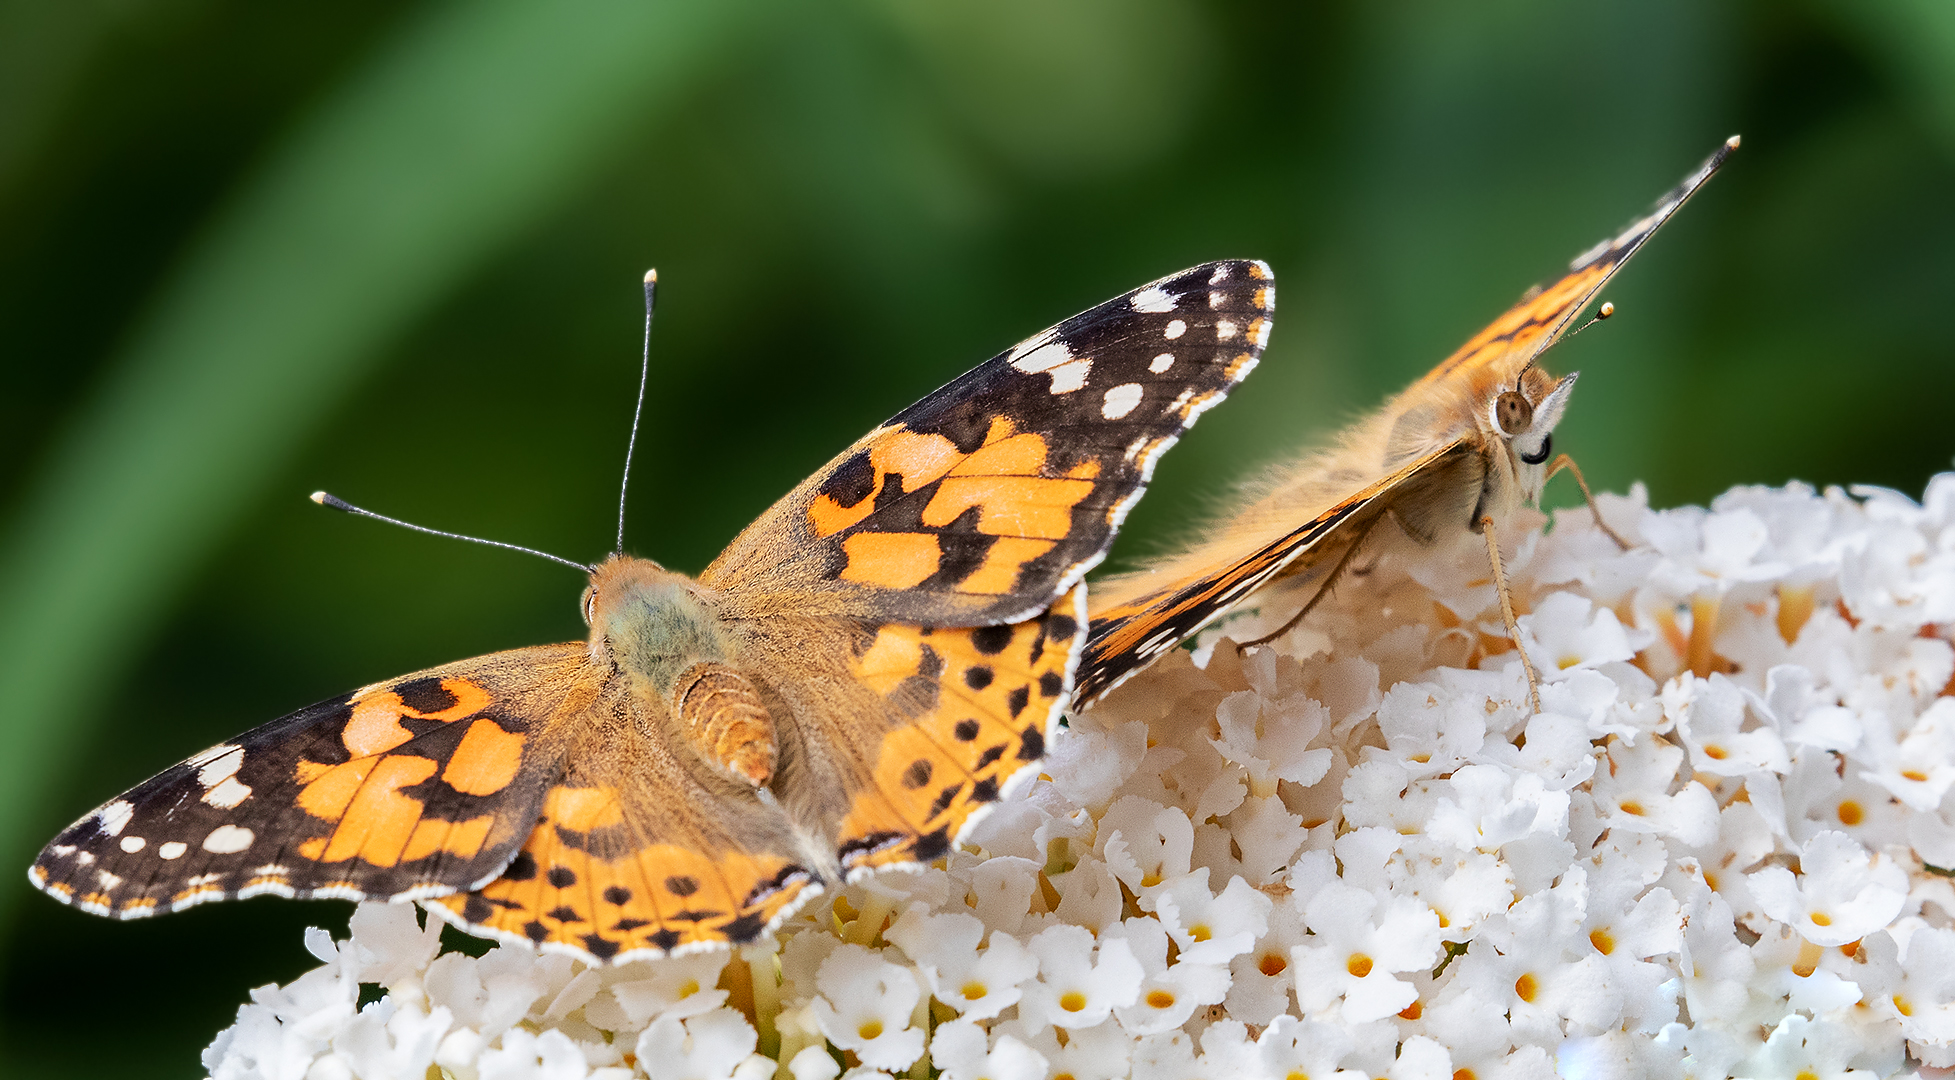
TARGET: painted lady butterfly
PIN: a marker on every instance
(1460, 448)
(848, 687)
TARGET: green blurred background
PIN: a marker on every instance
(249, 250)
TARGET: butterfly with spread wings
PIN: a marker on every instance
(849, 686)
(1458, 450)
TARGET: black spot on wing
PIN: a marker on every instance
(931, 845)
(425, 695)
(744, 928)
(1033, 746)
(852, 481)
(991, 640)
(600, 947)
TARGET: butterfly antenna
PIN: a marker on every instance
(638, 410)
(1607, 309)
(334, 502)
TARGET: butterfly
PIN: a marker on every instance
(1458, 450)
(849, 686)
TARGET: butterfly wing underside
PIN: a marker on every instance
(1541, 317)
(1127, 637)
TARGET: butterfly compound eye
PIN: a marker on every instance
(1514, 412)
(590, 605)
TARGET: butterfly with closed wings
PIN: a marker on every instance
(1458, 450)
(864, 671)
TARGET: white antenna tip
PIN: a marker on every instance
(1732, 142)
(319, 497)
(651, 277)
(1607, 310)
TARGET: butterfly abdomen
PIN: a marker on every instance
(721, 712)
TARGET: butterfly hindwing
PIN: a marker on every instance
(979, 705)
(422, 785)
(608, 875)
(984, 502)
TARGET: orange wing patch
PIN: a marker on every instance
(987, 500)
(983, 701)
(1004, 484)
(363, 801)
(586, 880)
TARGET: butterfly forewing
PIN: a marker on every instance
(985, 501)
(1523, 331)
(423, 785)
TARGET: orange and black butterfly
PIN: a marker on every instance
(849, 686)
(1460, 448)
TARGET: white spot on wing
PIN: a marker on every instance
(228, 793)
(1069, 377)
(1217, 299)
(1220, 275)
(111, 819)
(108, 880)
(172, 850)
(133, 844)
(1259, 332)
(1161, 363)
(1121, 400)
(1042, 353)
(228, 839)
(1176, 328)
(218, 767)
(1225, 329)
(1153, 300)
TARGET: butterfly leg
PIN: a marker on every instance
(1323, 590)
(1507, 612)
(1563, 461)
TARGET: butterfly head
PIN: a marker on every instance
(1524, 419)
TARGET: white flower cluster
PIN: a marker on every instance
(1716, 852)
